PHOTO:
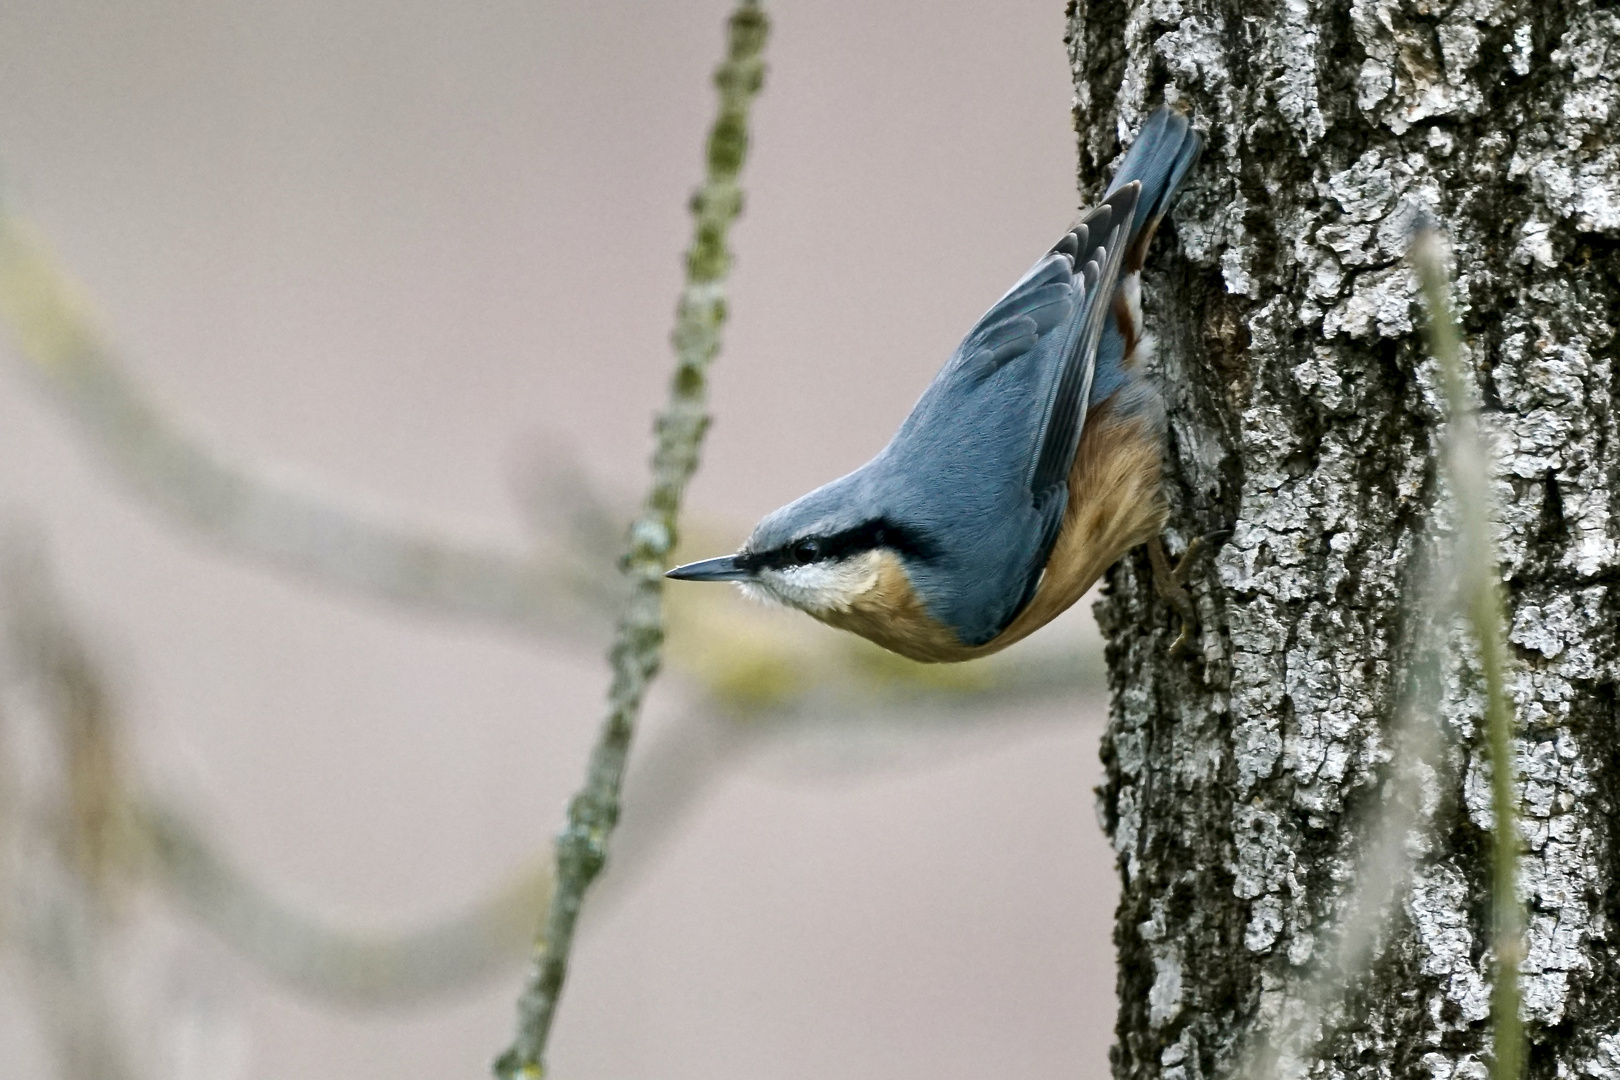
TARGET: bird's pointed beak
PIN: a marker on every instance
(725, 568)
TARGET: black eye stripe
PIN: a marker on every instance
(868, 536)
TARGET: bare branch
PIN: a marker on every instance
(69, 851)
(358, 968)
(258, 509)
(582, 847)
(102, 837)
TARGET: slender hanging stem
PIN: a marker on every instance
(1482, 602)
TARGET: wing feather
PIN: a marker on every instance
(1059, 436)
(1019, 385)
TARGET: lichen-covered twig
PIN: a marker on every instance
(257, 509)
(582, 846)
(1480, 586)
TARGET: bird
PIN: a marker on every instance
(1029, 465)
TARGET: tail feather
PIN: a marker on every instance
(1164, 150)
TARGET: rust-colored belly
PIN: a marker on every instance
(1114, 504)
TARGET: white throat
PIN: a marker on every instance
(819, 587)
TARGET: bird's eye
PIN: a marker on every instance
(805, 552)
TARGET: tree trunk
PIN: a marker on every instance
(1305, 418)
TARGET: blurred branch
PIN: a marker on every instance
(257, 509)
(70, 853)
(102, 837)
(828, 734)
(582, 846)
(358, 968)
(64, 941)
(89, 824)
(1481, 588)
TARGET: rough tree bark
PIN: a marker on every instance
(1305, 418)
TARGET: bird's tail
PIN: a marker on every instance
(1164, 150)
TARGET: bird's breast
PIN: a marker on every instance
(1114, 504)
(892, 614)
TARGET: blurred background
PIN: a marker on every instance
(425, 257)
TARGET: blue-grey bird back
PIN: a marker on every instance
(978, 472)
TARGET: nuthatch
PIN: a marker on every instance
(1028, 466)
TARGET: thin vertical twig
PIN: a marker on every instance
(73, 860)
(1481, 591)
(582, 846)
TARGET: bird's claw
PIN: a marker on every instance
(1171, 585)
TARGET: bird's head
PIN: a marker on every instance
(819, 555)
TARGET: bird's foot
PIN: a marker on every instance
(1171, 585)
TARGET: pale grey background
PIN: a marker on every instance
(401, 244)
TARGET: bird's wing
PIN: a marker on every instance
(1059, 308)
(1095, 249)
(993, 438)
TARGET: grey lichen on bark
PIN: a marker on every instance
(1305, 419)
